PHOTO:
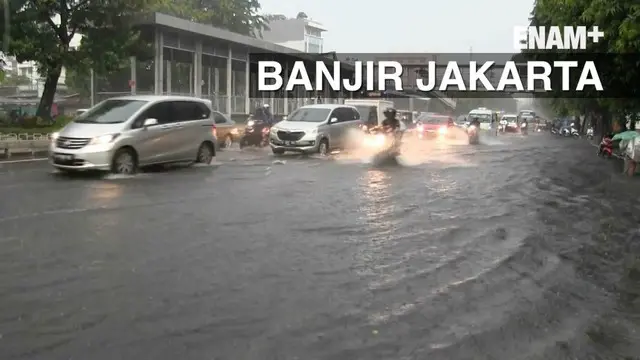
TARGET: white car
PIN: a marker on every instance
(317, 128)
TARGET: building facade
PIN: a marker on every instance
(299, 34)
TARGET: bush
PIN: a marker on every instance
(36, 124)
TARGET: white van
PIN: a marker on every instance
(488, 118)
(372, 110)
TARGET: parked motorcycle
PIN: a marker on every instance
(590, 133)
(574, 132)
(255, 134)
(606, 147)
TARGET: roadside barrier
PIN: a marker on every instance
(12, 144)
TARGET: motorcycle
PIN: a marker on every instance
(255, 134)
(590, 133)
(606, 147)
(386, 144)
(473, 134)
(574, 132)
(524, 129)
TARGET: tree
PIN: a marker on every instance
(301, 15)
(274, 17)
(619, 20)
(42, 31)
(240, 16)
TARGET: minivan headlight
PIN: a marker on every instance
(104, 139)
(55, 135)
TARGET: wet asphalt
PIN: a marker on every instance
(523, 248)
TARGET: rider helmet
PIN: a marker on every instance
(390, 112)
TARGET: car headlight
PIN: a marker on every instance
(420, 128)
(442, 130)
(375, 141)
(251, 123)
(273, 130)
(313, 131)
(104, 139)
(55, 135)
(234, 131)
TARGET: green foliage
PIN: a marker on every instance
(42, 31)
(239, 16)
(14, 80)
(272, 17)
(620, 21)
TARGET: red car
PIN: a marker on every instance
(434, 126)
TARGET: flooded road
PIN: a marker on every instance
(525, 248)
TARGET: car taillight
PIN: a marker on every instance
(214, 131)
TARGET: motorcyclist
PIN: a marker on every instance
(390, 123)
(268, 115)
(263, 114)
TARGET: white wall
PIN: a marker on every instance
(295, 44)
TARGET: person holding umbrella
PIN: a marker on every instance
(628, 140)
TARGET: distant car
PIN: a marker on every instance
(315, 128)
(509, 122)
(434, 126)
(228, 131)
(125, 133)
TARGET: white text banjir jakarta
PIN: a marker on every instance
(387, 75)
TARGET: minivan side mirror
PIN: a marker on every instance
(150, 122)
(333, 120)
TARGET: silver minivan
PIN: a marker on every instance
(124, 133)
(316, 128)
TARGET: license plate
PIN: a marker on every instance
(63, 157)
(290, 142)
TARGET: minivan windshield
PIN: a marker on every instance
(309, 115)
(480, 117)
(111, 112)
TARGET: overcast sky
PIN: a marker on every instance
(374, 26)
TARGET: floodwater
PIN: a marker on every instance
(521, 248)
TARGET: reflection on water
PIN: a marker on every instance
(376, 212)
(106, 195)
(377, 205)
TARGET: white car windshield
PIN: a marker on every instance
(309, 115)
(480, 117)
(111, 112)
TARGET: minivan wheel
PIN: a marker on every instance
(228, 141)
(205, 154)
(124, 162)
(323, 148)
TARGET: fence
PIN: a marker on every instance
(238, 103)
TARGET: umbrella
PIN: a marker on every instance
(627, 135)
